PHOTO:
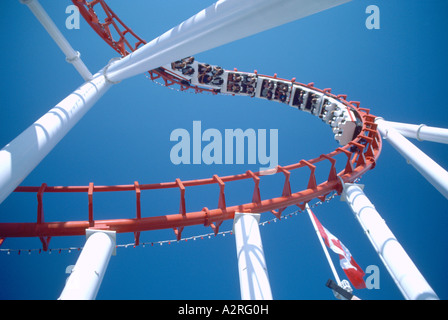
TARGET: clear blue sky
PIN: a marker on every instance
(399, 72)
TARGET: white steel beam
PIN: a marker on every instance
(420, 132)
(71, 55)
(427, 167)
(19, 157)
(253, 273)
(403, 271)
(221, 23)
(86, 276)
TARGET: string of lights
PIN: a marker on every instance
(211, 235)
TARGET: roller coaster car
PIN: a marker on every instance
(340, 118)
(242, 83)
(333, 112)
(299, 97)
(306, 100)
(313, 103)
(273, 89)
(330, 110)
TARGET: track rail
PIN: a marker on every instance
(361, 151)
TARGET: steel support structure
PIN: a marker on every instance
(221, 23)
(86, 277)
(420, 132)
(19, 157)
(402, 269)
(253, 273)
(361, 153)
(427, 167)
(71, 55)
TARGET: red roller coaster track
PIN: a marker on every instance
(361, 153)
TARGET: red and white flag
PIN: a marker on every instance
(353, 271)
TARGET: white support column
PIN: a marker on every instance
(72, 56)
(87, 275)
(420, 132)
(19, 157)
(221, 23)
(408, 278)
(427, 167)
(253, 273)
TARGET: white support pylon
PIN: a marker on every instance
(19, 157)
(71, 55)
(428, 168)
(253, 273)
(221, 23)
(86, 276)
(403, 271)
(420, 132)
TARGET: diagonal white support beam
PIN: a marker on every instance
(420, 132)
(221, 23)
(71, 55)
(19, 157)
(402, 269)
(427, 167)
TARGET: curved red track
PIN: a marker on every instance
(361, 154)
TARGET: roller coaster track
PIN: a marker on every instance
(352, 125)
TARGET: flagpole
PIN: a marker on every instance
(324, 247)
